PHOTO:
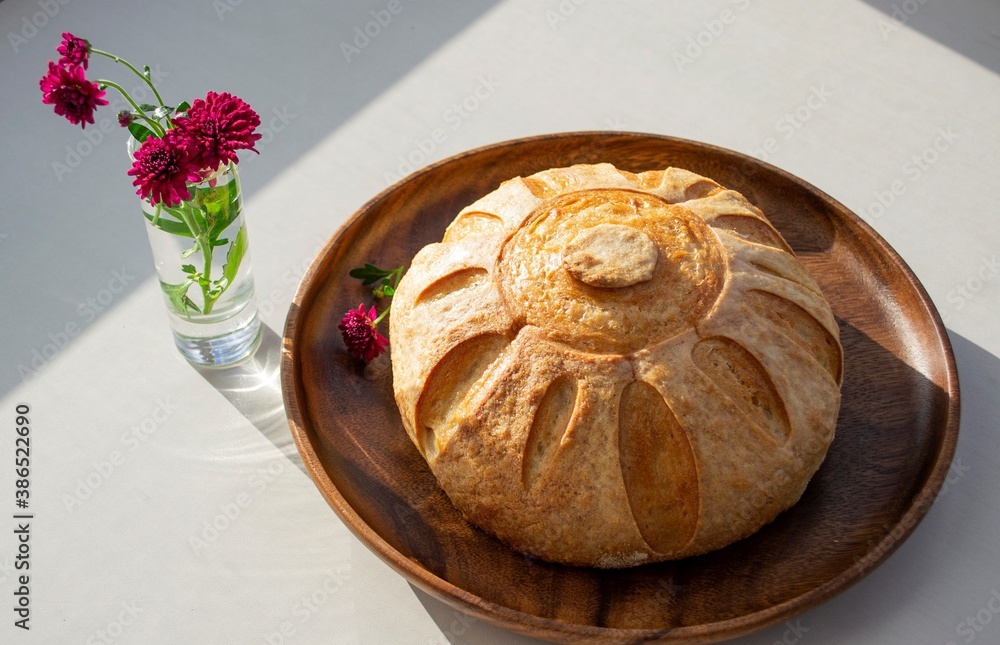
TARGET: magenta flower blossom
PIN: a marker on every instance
(73, 51)
(124, 118)
(162, 169)
(361, 335)
(73, 96)
(218, 126)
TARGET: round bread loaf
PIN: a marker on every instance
(605, 369)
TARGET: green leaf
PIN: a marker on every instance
(219, 225)
(188, 268)
(170, 226)
(147, 107)
(389, 291)
(177, 295)
(145, 71)
(161, 112)
(173, 212)
(197, 217)
(235, 256)
(139, 131)
(190, 305)
(182, 108)
(229, 202)
(369, 274)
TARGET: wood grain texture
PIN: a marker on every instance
(895, 437)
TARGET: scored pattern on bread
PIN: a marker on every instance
(548, 427)
(453, 284)
(452, 381)
(745, 381)
(658, 468)
(751, 229)
(473, 223)
(804, 330)
(590, 405)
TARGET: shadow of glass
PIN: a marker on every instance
(969, 27)
(254, 388)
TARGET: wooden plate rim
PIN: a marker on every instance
(538, 626)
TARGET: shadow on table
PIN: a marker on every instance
(306, 67)
(459, 628)
(942, 569)
(254, 388)
(969, 27)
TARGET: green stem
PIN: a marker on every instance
(206, 251)
(201, 239)
(129, 65)
(382, 315)
(156, 126)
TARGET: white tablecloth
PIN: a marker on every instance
(170, 505)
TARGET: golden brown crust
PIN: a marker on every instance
(605, 368)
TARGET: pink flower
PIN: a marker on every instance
(73, 96)
(162, 169)
(218, 126)
(361, 335)
(73, 51)
(124, 118)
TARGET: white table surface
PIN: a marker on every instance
(135, 453)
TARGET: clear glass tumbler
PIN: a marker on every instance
(202, 256)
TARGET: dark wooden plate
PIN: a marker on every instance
(895, 437)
